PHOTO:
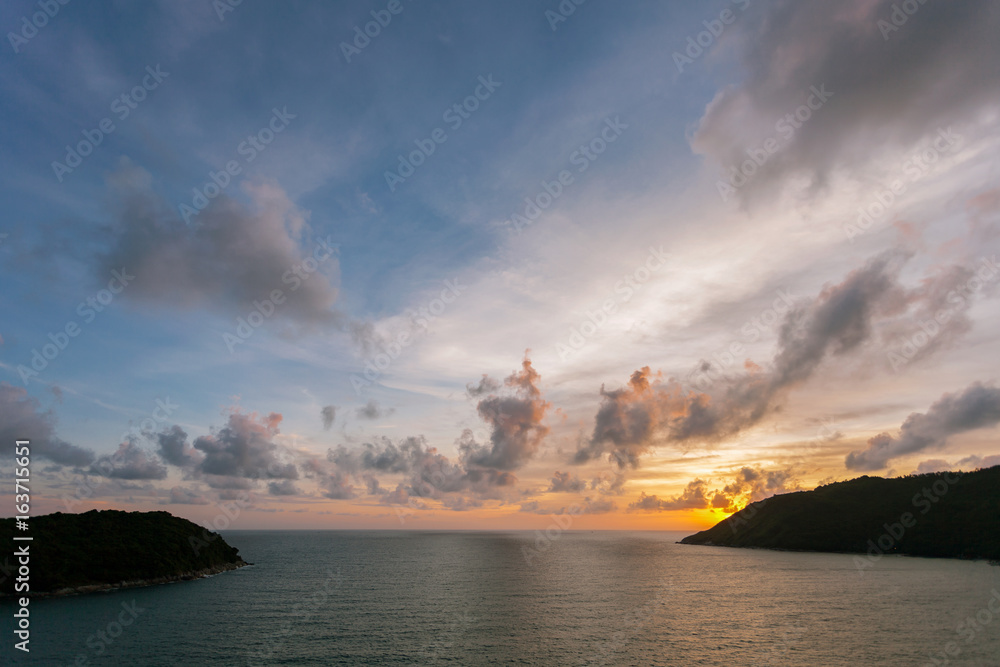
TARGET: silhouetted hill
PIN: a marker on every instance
(78, 553)
(954, 515)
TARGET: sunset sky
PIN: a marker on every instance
(638, 263)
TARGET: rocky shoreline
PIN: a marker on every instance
(138, 583)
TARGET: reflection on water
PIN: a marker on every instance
(397, 598)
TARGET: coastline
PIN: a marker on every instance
(135, 583)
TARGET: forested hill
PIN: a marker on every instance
(954, 515)
(97, 550)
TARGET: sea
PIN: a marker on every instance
(527, 598)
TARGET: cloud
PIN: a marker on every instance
(933, 465)
(427, 473)
(372, 410)
(564, 482)
(129, 462)
(609, 484)
(461, 503)
(245, 448)
(182, 496)
(693, 497)
(515, 419)
(173, 448)
(482, 470)
(486, 385)
(867, 305)
(329, 414)
(599, 506)
(21, 418)
(230, 258)
(747, 485)
(976, 407)
(890, 87)
(338, 486)
(285, 487)
(750, 485)
(975, 462)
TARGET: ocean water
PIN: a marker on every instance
(586, 598)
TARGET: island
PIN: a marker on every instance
(108, 549)
(947, 515)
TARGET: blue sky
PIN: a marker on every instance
(651, 192)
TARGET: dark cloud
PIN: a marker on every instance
(566, 482)
(21, 418)
(609, 484)
(129, 462)
(515, 419)
(373, 486)
(338, 486)
(480, 471)
(976, 462)
(245, 448)
(372, 410)
(461, 503)
(869, 304)
(285, 487)
(329, 414)
(599, 506)
(976, 407)
(589, 506)
(485, 386)
(229, 257)
(693, 497)
(890, 87)
(427, 473)
(173, 448)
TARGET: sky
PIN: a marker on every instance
(490, 266)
